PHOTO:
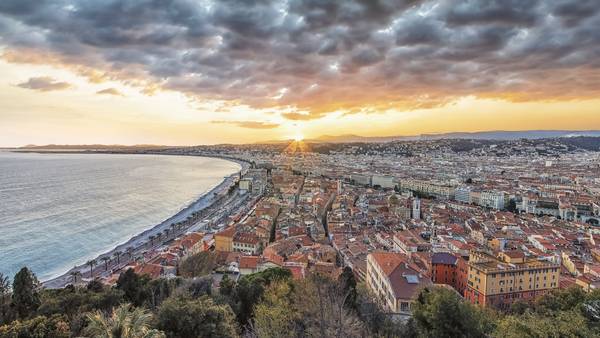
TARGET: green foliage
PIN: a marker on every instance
(54, 327)
(226, 286)
(133, 286)
(250, 289)
(440, 312)
(186, 317)
(25, 297)
(274, 315)
(160, 289)
(200, 264)
(560, 300)
(564, 324)
(124, 322)
(199, 286)
(314, 307)
(561, 313)
(75, 301)
(4, 299)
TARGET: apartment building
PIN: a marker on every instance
(224, 239)
(394, 281)
(499, 280)
(248, 243)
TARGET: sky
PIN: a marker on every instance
(184, 72)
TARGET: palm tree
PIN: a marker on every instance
(74, 275)
(151, 237)
(173, 225)
(130, 252)
(105, 260)
(124, 322)
(158, 236)
(166, 231)
(91, 263)
(118, 254)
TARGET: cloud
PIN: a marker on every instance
(44, 84)
(365, 55)
(295, 116)
(110, 91)
(249, 124)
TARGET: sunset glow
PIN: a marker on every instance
(236, 72)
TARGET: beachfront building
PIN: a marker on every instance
(498, 281)
(394, 281)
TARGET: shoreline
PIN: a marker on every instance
(137, 241)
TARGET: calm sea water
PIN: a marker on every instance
(58, 210)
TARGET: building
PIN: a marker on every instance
(245, 185)
(224, 240)
(246, 242)
(449, 269)
(492, 199)
(498, 281)
(441, 190)
(416, 209)
(383, 181)
(463, 194)
(394, 281)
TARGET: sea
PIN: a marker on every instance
(59, 210)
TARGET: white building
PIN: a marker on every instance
(463, 194)
(492, 199)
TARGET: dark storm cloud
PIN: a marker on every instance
(44, 84)
(318, 56)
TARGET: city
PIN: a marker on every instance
(299, 168)
(505, 221)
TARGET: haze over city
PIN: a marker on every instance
(206, 72)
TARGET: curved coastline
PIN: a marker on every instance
(203, 201)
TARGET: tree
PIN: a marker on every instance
(117, 255)
(440, 312)
(91, 263)
(274, 316)
(105, 260)
(185, 317)
(129, 252)
(226, 286)
(124, 322)
(348, 283)
(56, 326)
(133, 287)
(75, 274)
(4, 297)
(250, 289)
(377, 322)
(25, 298)
(200, 264)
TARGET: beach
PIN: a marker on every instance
(139, 243)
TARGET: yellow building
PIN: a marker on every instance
(224, 240)
(500, 280)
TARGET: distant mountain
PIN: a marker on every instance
(485, 135)
(90, 147)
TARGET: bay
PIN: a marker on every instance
(58, 210)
